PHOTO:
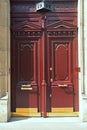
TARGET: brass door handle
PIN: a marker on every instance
(62, 85)
(26, 87)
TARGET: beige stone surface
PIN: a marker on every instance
(3, 83)
(4, 109)
(4, 44)
(4, 59)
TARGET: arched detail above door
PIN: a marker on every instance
(26, 28)
(62, 29)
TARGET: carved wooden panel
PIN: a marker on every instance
(26, 61)
(62, 84)
(61, 61)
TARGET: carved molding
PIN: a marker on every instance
(26, 33)
(61, 25)
(62, 33)
(62, 29)
(26, 28)
(56, 29)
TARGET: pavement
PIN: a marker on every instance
(60, 123)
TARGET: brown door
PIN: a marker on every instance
(44, 59)
(24, 77)
(60, 61)
(62, 70)
(29, 96)
(62, 87)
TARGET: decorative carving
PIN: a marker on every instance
(26, 49)
(23, 33)
(57, 44)
(61, 66)
(62, 29)
(26, 28)
(62, 33)
(30, 45)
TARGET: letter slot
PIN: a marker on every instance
(26, 87)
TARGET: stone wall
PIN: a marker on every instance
(4, 58)
(84, 58)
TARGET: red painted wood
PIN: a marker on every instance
(43, 85)
(61, 74)
(38, 44)
(61, 61)
(43, 99)
(62, 97)
(25, 73)
(58, 38)
(26, 99)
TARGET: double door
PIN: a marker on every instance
(44, 72)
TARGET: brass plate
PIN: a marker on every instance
(26, 112)
(64, 110)
(71, 114)
(56, 112)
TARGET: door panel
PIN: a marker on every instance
(62, 98)
(25, 65)
(62, 91)
(61, 62)
(24, 81)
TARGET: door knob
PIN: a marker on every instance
(51, 68)
(50, 95)
(51, 80)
